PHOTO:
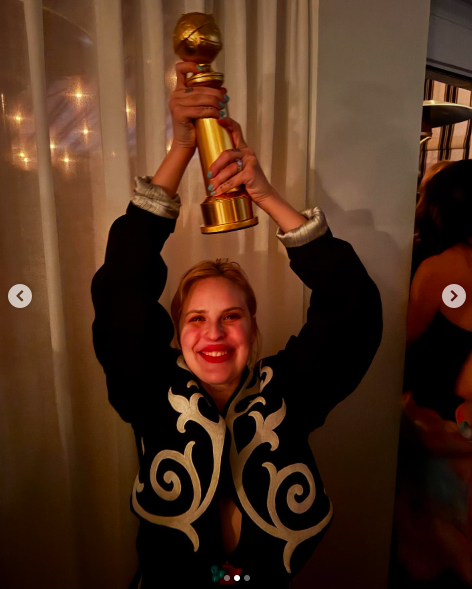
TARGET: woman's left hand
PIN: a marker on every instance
(224, 169)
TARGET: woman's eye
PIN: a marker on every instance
(231, 316)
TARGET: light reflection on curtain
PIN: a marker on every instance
(66, 523)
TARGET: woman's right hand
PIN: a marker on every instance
(187, 104)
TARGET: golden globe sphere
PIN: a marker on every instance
(197, 38)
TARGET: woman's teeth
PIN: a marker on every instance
(214, 353)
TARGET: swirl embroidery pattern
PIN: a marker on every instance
(265, 434)
(189, 411)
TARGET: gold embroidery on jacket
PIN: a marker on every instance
(188, 410)
(265, 434)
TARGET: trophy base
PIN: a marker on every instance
(227, 212)
(229, 226)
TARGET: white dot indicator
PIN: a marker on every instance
(236, 577)
(247, 577)
(227, 578)
(453, 296)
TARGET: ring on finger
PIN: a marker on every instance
(240, 165)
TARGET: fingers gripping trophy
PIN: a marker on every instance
(197, 38)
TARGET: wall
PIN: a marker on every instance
(371, 60)
(450, 41)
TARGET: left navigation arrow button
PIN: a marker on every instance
(20, 296)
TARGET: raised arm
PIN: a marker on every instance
(132, 332)
(334, 349)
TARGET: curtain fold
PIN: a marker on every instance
(153, 87)
(84, 99)
(110, 73)
(34, 31)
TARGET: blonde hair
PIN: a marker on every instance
(220, 268)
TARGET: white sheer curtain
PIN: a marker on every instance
(84, 91)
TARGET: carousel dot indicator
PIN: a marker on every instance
(247, 577)
(227, 578)
(237, 577)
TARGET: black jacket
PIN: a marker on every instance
(257, 449)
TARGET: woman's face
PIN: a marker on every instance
(216, 331)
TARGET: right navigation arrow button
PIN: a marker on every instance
(453, 296)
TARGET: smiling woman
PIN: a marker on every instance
(214, 314)
(227, 477)
(216, 344)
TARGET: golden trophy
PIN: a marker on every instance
(197, 38)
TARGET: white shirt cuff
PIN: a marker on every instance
(314, 227)
(153, 198)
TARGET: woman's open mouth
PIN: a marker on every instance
(216, 356)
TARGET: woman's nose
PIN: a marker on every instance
(215, 330)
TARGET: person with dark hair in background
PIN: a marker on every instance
(443, 211)
(433, 522)
(228, 485)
